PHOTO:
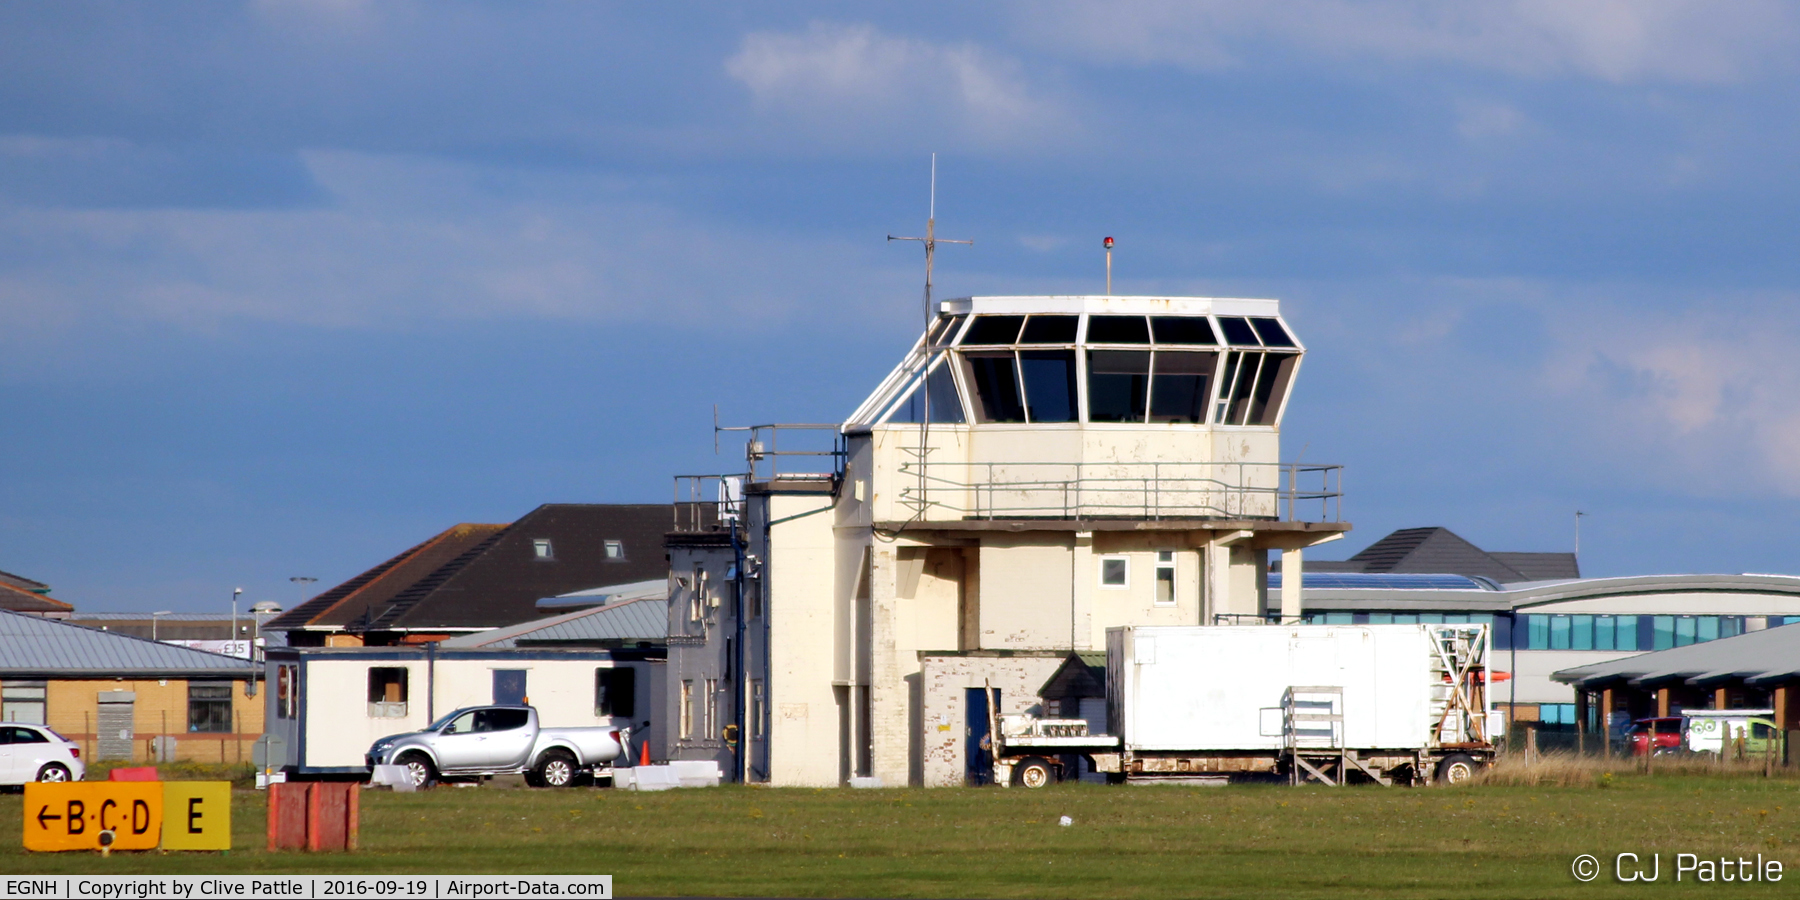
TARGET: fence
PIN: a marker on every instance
(1155, 490)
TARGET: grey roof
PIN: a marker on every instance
(35, 646)
(628, 621)
(1537, 593)
(1768, 656)
(657, 588)
(1437, 550)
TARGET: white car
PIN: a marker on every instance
(35, 753)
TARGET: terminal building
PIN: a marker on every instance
(1036, 470)
(1544, 616)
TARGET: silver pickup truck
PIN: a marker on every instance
(497, 740)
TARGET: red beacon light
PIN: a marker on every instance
(1109, 243)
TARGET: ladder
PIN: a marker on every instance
(1312, 728)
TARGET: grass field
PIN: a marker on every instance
(1489, 840)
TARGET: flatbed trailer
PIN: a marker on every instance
(1331, 704)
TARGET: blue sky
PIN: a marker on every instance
(288, 286)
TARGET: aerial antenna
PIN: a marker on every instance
(930, 240)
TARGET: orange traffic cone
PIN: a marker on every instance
(644, 754)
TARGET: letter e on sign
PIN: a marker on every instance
(71, 816)
(196, 815)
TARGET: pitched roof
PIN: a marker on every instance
(22, 600)
(488, 576)
(1767, 656)
(628, 621)
(23, 583)
(374, 589)
(1440, 551)
(33, 646)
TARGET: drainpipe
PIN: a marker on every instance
(739, 694)
(431, 682)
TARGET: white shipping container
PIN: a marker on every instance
(1197, 688)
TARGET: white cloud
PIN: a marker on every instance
(1612, 40)
(408, 242)
(1695, 401)
(854, 84)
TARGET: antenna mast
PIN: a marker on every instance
(930, 240)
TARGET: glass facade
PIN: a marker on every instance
(1558, 631)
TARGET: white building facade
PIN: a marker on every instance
(1037, 469)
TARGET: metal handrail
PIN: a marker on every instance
(1155, 490)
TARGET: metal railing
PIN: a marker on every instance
(792, 451)
(708, 502)
(1156, 490)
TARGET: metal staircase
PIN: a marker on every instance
(1312, 728)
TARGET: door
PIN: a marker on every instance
(461, 745)
(508, 738)
(7, 775)
(978, 747)
(509, 687)
(114, 718)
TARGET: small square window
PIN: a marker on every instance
(1114, 572)
(615, 549)
(542, 550)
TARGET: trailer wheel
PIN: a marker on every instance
(1032, 772)
(1456, 768)
(419, 769)
(556, 768)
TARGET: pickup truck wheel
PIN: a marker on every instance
(556, 768)
(1456, 768)
(419, 769)
(1033, 772)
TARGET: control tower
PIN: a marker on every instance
(1036, 470)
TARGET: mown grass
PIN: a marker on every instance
(1489, 840)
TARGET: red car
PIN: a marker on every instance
(1668, 735)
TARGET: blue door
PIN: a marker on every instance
(509, 687)
(978, 750)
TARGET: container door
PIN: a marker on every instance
(509, 687)
(978, 748)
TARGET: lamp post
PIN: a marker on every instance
(232, 647)
(154, 618)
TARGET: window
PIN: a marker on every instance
(1238, 332)
(687, 710)
(1118, 383)
(615, 692)
(1115, 572)
(758, 705)
(944, 329)
(501, 719)
(209, 707)
(1049, 377)
(1050, 330)
(615, 549)
(1684, 630)
(22, 701)
(939, 394)
(1165, 578)
(541, 549)
(994, 379)
(1271, 332)
(287, 692)
(387, 692)
(1117, 330)
(710, 724)
(1182, 330)
(13, 734)
(1556, 714)
(1181, 386)
(990, 330)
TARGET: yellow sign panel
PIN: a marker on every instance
(196, 815)
(74, 816)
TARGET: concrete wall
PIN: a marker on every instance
(808, 585)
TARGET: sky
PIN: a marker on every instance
(287, 287)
